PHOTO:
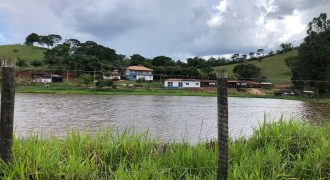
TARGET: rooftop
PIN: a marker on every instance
(177, 79)
(138, 68)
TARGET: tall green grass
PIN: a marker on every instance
(275, 151)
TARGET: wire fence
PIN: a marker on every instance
(26, 73)
(167, 118)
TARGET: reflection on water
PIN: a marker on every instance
(167, 117)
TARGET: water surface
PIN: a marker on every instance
(167, 117)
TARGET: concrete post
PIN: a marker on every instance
(7, 109)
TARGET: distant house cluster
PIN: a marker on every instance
(135, 73)
(132, 73)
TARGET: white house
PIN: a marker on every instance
(134, 73)
(114, 75)
(182, 83)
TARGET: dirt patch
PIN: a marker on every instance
(209, 89)
(255, 91)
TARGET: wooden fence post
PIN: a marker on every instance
(7, 109)
(222, 125)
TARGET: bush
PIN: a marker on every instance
(247, 71)
(141, 80)
(104, 83)
(85, 78)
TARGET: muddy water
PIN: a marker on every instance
(168, 118)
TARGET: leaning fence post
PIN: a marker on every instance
(7, 109)
(222, 125)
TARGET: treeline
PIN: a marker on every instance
(71, 54)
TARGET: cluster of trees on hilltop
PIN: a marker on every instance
(48, 40)
(71, 54)
(90, 56)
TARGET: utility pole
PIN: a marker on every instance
(222, 125)
(7, 109)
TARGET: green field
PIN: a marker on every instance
(274, 68)
(28, 53)
(283, 150)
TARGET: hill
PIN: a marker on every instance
(28, 53)
(274, 67)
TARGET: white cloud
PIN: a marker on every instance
(177, 28)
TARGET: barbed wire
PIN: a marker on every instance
(186, 76)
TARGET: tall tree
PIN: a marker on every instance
(251, 54)
(312, 68)
(54, 39)
(31, 39)
(260, 52)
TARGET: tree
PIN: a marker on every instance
(36, 63)
(85, 79)
(21, 63)
(312, 68)
(74, 45)
(286, 47)
(162, 61)
(247, 71)
(260, 52)
(251, 54)
(234, 57)
(137, 59)
(54, 39)
(44, 40)
(31, 39)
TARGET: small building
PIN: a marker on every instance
(208, 83)
(46, 78)
(134, 73)
(182, 83)
(114, 75)
(266, 85)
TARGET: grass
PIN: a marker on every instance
(280, 150)
(63, 88)
(28, 53)
(274, 68)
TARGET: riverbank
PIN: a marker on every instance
(75, 89)
(275, 151)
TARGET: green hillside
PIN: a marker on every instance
(274, 68)
(28, 53)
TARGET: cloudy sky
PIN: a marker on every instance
(175, 28)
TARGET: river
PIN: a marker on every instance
(169, 118)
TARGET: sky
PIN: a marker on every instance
(174, 28)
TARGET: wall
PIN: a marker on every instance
(185, 84)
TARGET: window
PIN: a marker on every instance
(180, 84)
(187, 84)
(169, 84)
(197, 84)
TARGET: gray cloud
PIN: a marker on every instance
(176, 28)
